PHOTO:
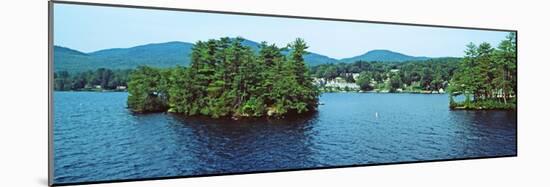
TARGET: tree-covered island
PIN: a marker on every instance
(227, 79)
(487, 77)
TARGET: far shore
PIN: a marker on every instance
(386, 91)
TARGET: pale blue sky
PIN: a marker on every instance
(91, 28)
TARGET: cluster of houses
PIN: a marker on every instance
(338, 83)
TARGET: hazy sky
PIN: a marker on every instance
(91, 28)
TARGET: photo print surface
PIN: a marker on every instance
(143, 93)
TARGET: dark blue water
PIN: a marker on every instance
(96, 138)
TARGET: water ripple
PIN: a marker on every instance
(96, 138)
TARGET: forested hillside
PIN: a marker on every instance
(410, 76)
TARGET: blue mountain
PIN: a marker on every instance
(172, 54)
(159, 55)
(383, 56)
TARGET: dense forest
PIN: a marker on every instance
(227, 79)
(100, 79)
(411, 76)
(487, 76)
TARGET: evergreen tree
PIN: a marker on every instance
(488, 74)
(145, 92)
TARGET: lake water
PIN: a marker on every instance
(96, 138)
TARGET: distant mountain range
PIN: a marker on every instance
(158, 55)
(170, 54)
(384, 56)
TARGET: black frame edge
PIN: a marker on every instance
(50, 94)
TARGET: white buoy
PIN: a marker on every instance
(376, 114)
